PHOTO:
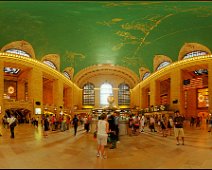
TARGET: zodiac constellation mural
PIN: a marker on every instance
(136, 32)
(72, 56)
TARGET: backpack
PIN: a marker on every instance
(75, 121)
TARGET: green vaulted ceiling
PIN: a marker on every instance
(96, 32)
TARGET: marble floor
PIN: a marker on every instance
(148, 150)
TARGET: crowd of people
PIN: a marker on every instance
(62, 123)
(107, 128)
(49, 122)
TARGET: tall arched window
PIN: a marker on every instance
(88, 94)
(124, 94)
(105, 91)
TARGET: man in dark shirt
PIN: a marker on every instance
(178, 127)
(112, 129)
(75, 124)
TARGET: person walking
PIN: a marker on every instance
(12, 123)
(170, 125)
(117, 117)
(130, 125)
(45, 126)
(102, 135)
(75, 124)
(210, 124)
(86, 124)
(142, 121)
(112, 131)
(163, 126)
(178, 127)
(152, 124)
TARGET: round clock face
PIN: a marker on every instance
(11, 90)
(201, 98)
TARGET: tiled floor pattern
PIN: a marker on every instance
(63, 150)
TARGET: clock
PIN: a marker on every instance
(10, 90)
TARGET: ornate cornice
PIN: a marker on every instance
(106, 69)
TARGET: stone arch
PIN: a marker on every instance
(158, 59)
(70, 71)
(142, 72)
(20, 45)
(54, 58)
(190, 47)
(106, 69)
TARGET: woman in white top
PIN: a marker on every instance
(102, 130)
(142, 121)
(12, 123)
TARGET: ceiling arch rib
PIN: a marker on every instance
(106, 69)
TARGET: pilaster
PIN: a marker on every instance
(1, 88)
(153, 93)
(210, 86)
(35, 87)
(115, 94)
(58, 94)
(97, 97)
(176, 90)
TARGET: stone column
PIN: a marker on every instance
(97, 97)
(1, 88)
(35, 88)
(141, 97)
(115, 94)
(153, 93)
(58, 94)
(210, 86)
(67, 96)
(176, 90)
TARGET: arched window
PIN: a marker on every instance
(163, 64)
(195, 54)
(88, 94)
(124, 94)
(105, 91)
(65, 73)
(49, 63)
(19, 52)
(147, 74)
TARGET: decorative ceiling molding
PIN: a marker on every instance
(84, 75)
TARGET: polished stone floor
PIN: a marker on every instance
(148, 150)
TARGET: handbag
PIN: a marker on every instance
(95, 135)
(13, 124)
